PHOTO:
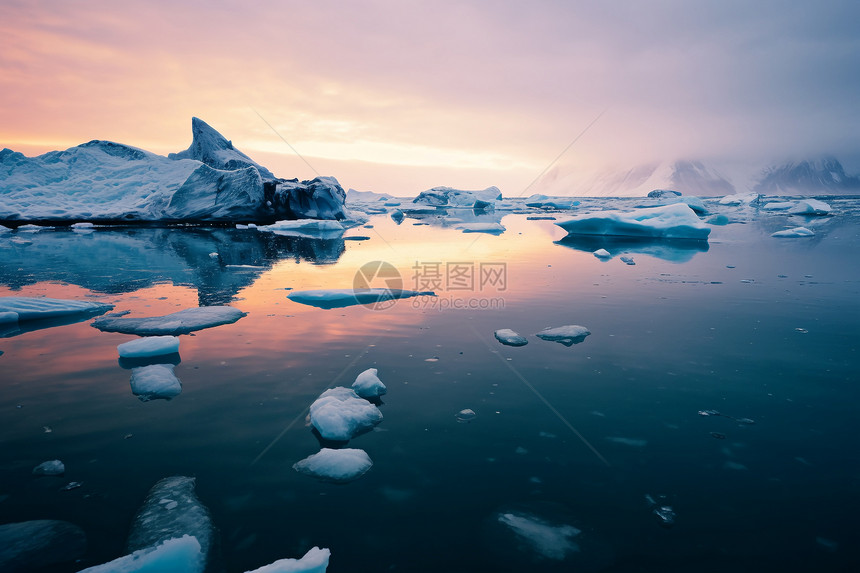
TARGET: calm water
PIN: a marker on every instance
(748, 325)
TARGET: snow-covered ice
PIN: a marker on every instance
(39, 544)
(339, 414)
(175, 555)
(368, 385)
(550, 541)
(342, 465)
(340, 298)
(795, 232)
(149, 346)
(354, 196)
(28, 308)
(50, 468)
(181, 322)
(154, 382)
(314, 561)
(510, 338)
(567, 335)
(677, 221)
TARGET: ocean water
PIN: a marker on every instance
(571, 449)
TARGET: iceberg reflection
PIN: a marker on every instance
(672, 250)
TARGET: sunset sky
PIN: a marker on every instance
(400, 96)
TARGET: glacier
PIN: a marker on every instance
(676, 221)
(181, 322)
(339, 414)
(340, 466)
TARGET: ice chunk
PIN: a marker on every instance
(491, 228)
(37, 545)
(466, 415)
(314, 561)
(149, 346)
(397, 216)
(368, 385)
(340, 298)
(340, 415)
(718, 220)
(176, 323)
(795, 232)
(510, 338)
(155, 523)
(154, 382)
(677, 221)
(178, 555)
(627, 260)
(567, 335)
(543, 202)
(550, 541)
(340, 466)
(602, 254)
(40, 308)
(810, 207)
(353, 196)
(50, 468)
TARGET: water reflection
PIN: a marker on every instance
(672, 250)
(218, 262)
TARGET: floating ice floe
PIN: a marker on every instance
(27, 308)
(602, 254)
(368, 385)
(39, 544)
(182, 322)
(553, 542)
(740, 199)
(510, 338)
(676, 221)
(795, 232)
(339, 414)
(810, 207)
(175, 555)
(50, 468)
(490, 228)
(340, 298)
(155, 382)
(342, 465)
(567, 335)
(305, 228)
(149, 346)
(661, 510)
(314, 561)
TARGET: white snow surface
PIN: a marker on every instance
(368, 385)
(550, 541)
(677, 221)
(342, 465)
(29, 308)
(509, 337)
(50, 468)
(795, 232)
(182, 322)
(314, 561)
(339, 414)
(154, 382)
(149, 346)
(176, 555)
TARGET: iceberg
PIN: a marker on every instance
(171, 510)
(213, 149)
(154, 382)
(176, 555)
(340, 298)
(182, 322)
(449, 197)
(602, 254)
(663, 193)
(314, 561)
(341, 466)
(810, 207)
(20, 308)
(39, 544)
(339, 414)
(353, 196)
(50, 468)
(510, 338)
(149, 346)
(676, 221)
(318, 198)
(368, 385)
(795, 232)
(567, 335)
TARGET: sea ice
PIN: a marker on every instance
(491, 228)
(27, 308)
(510, 338)
(353, 196)
(317, 198)
(182, 322)
(795, 232)
(340, 298)
(342, 465)
(543, 202)
(175, 555)
(50, 468)
(550, 541)
(37, 545)
(368, 385)
(567, 335)
(314, 561)
(149, 346)
(810, 207)
(154, 382)
(677, 221)
(156, 523)
(340, 415)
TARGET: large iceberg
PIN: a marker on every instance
(340, 298)
(339, 414)
(339, 466)
(37, 545)
(677, 221)
(449, 197)
(210, 147)
(318, 198)
(182, 322)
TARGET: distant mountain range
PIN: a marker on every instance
(824, 176)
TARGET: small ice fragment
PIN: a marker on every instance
(466, 415)
(47, 429)
(628, 260)
(71, 485)
(171, 505)
(434, 359)
(50, 468)
(340, 466)
(801, 330)
(368, 385)
(602, 254)
(340, 415)
(718, 435)
(709, 413)
(154, 382)
(521, 451)
(510, 338)
(665, 515)
(149, 346)
(567, 335)
(213, 255)
(748, 421)
(795, 232)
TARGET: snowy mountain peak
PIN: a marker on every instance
(823, 175)
(217, 151)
